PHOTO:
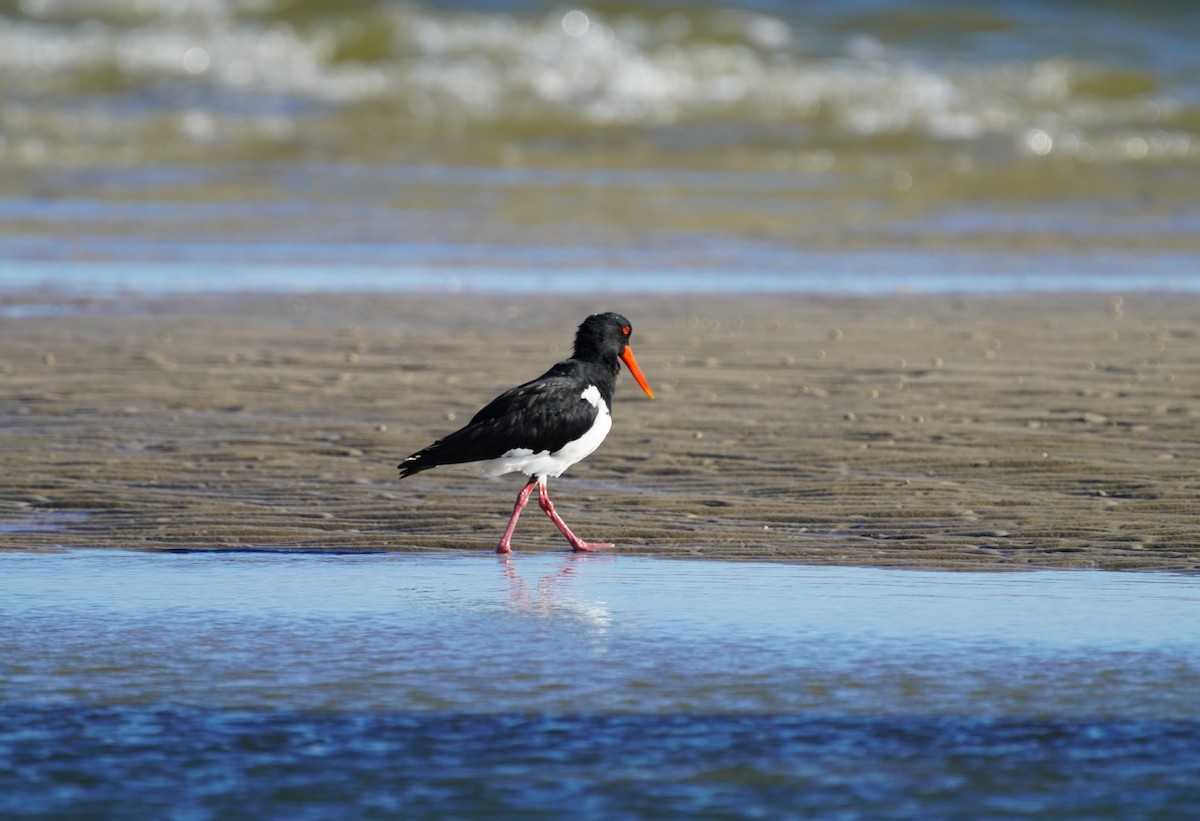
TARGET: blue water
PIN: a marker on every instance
(575, 271)
(254, 685)
(521, 145)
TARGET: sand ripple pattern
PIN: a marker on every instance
(906, 431)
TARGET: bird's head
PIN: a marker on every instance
(604, 335)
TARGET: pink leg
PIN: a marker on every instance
(505, 545)
(576, 542)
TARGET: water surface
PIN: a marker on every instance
(418, 145)
(253, 684)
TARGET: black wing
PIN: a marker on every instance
(544, 414)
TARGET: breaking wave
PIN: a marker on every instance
(138, 79)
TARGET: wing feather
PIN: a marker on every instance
(542, 415)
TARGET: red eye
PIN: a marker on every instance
(626, 330)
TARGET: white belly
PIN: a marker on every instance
(551, 465)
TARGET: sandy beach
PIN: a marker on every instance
(924, 431)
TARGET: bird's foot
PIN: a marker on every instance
(504, 548)
(580, 546)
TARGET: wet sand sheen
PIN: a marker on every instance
(1056, 431)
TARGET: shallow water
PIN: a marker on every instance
(257, 684)
(537, 271)
(460, 146)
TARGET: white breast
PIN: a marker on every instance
(552, 465)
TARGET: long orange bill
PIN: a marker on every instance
(631, 363)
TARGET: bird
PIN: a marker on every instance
(544, 426)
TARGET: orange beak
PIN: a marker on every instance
(631, 363)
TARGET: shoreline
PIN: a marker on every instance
(926, 431)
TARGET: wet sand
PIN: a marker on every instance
(950, 432)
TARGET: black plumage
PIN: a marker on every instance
(541, 415)
(545, 425)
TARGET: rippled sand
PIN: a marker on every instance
(925, 431)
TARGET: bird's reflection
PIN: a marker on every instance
(550, 596)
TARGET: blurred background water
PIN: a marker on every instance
(818, 146)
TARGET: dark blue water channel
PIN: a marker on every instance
(262, 685)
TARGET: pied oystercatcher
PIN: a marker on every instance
(543, 427)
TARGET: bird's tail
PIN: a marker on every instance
(467, 445)
(415, 464)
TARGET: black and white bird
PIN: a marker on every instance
(543, 427)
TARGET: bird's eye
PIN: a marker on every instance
(626, 330)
